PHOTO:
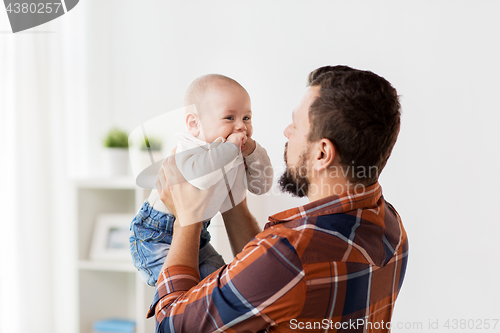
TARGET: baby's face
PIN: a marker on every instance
(225, 111)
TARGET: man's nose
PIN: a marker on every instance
(286, 132)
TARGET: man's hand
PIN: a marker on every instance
(165, 195)
(186, 202)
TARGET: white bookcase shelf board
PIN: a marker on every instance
(112, 288)
(107, 288)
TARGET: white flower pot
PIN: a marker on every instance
(140, 160)
(115, 162)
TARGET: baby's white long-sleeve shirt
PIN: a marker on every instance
(220, 163)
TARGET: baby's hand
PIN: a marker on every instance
(249, 147)
(238, 139)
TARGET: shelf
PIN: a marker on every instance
(107, 288)
(106, 266)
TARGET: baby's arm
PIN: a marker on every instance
(259, 171)
(202, 167)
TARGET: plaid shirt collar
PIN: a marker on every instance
(365, 197)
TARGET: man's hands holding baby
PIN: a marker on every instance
(246, 144)
(185, 201)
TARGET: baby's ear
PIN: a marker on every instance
(193, 124)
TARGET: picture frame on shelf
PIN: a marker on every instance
(110, 239)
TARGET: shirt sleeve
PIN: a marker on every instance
(259, 171)
(262, 287)
(201, 167)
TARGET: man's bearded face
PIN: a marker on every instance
(294, 180)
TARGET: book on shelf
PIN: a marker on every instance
(114, 325)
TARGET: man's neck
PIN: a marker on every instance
(323, 187)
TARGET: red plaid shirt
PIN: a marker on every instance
(332, 265)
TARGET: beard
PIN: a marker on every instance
(294, 180)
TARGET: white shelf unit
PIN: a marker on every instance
(110, 289)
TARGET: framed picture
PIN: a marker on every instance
(110, 239)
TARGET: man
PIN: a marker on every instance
(335, 264)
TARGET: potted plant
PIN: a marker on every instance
(115, 154)
(153, 143)
(150, 150)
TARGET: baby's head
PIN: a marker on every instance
(223, 108)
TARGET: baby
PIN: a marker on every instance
(217, 150)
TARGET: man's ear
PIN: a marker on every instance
(324, 154)
(193, 124)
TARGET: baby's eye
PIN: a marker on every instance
(246, 118)
(229, 118)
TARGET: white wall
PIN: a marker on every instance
(442, 56)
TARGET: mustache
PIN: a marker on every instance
(284, 153)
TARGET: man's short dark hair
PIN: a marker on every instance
(359, 112)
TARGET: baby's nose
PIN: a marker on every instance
(240, 126)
